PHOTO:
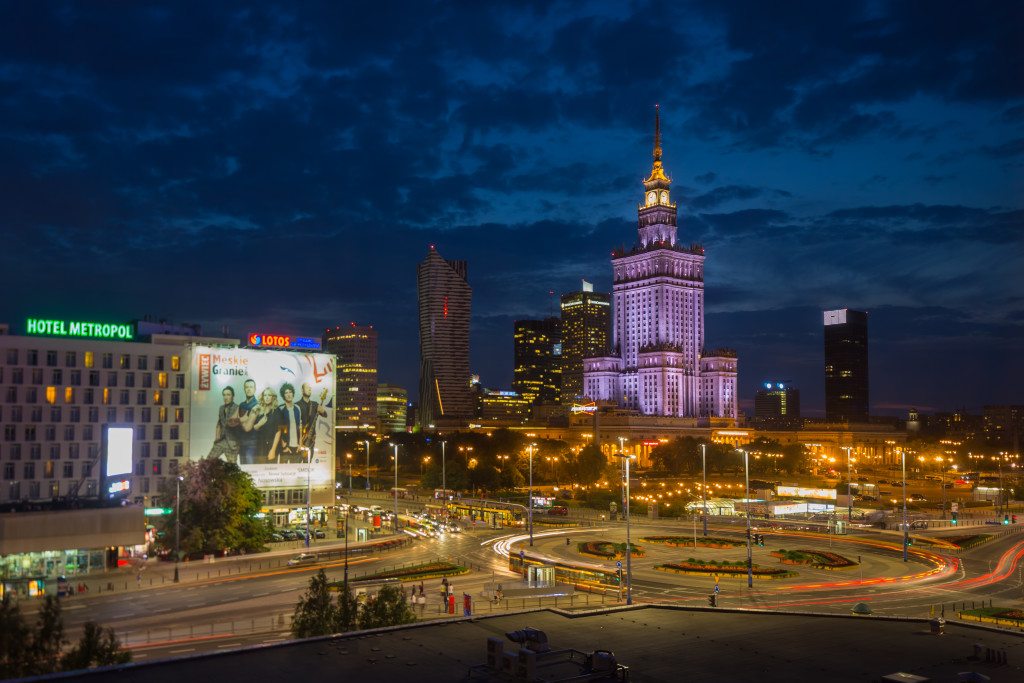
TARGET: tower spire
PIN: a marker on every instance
(657, 133)
(657, 171)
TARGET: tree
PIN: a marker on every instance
(48, 639)
(15, 641)
(387, 608)
(455, 477)
(315, 613)
(590, 464)
(96, 647)
(219, 507)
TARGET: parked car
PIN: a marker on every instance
(559, 510)
(288, 534)
(276, 537)
(917, 498)
(319, 533)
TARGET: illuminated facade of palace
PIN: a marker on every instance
(659, 365)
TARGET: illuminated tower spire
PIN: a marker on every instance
(657, 171)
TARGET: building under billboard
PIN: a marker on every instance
(272, 412)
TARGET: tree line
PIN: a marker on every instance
(318, 613)
(38, 649)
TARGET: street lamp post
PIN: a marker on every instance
(906, 526)
(849, 485)
(444, 487)
(622, 449)
(177, 525)
(348, 456)
(530, 516)
(396, 486)
(704, 486)
(750, 556)
(367, 442)
(629, 549)
(309, 466)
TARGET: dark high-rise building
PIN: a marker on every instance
(846, 366)
(444, 301)
(356, 349)
(537, 347)
(777, 406)
(586, 320)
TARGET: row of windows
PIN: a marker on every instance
(73, 451)
(146, 379)
(88, 396)
(107, 360)
(47, 470)
(74, 415)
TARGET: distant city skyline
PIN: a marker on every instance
(286, 168)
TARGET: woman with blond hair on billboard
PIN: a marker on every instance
(263, 420)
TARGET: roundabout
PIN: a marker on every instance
(790, 568)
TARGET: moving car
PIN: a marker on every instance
(302, 558)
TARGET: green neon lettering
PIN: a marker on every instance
(30, 326)
(76, 329)
(60, 326)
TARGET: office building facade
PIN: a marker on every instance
(846, 365)
(392, 407)
(658, 363)
(355, 347)
(777, 406)
(586, 320)
(537, 356)
(445, 300)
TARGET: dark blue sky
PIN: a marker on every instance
(285, 168)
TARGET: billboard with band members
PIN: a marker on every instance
(272, 412)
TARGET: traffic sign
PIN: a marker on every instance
(522, 555)
(717, 589)
(618, 564)
(954, 507)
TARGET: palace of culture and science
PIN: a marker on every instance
(659, 364)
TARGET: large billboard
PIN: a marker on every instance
(272, 412)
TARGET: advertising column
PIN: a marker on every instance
(272, 412)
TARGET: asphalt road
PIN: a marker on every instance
(253, 598)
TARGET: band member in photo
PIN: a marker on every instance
(310, 411)
(225, 440)
(247, 438)
(263, 421)
(290, 428)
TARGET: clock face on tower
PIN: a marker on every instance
(652, 197)
(664, 197)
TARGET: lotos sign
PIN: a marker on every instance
(281, 341)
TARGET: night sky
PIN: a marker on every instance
(284, 168)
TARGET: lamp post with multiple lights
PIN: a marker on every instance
(530, 514)
(629, 549)
(704, 485)
(746, 504)
(177, 524)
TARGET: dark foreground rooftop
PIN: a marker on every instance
(656, 643)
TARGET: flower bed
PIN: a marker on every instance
(607, 550)
(416, 572)
(1000, 616)
(702, 541)
(819, 559)
(967, 541)
(725, 569)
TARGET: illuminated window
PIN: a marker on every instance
(158, 397)
(69, 394)
(161, 380)
(89, 359)
(175, 363)
(51, 395)
(106, 396)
